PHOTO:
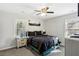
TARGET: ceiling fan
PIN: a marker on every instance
(43, 11)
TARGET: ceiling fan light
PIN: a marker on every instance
(43, 14)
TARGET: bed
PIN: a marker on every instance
(42, 44)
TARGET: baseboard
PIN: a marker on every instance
(7, 48)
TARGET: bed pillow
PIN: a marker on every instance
(31, 33)
(37, 33)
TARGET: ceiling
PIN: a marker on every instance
(27, 9)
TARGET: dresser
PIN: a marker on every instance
(21, 42)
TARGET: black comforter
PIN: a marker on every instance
(42, 43)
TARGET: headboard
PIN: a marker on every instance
(34, 33)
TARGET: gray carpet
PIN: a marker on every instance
(27, 52)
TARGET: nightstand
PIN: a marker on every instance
(21, 42)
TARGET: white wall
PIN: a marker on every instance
(32, 28)
(8, 29)
(56, 26)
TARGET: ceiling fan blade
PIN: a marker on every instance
(50, 12)
(37, 10)
(38, 13)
